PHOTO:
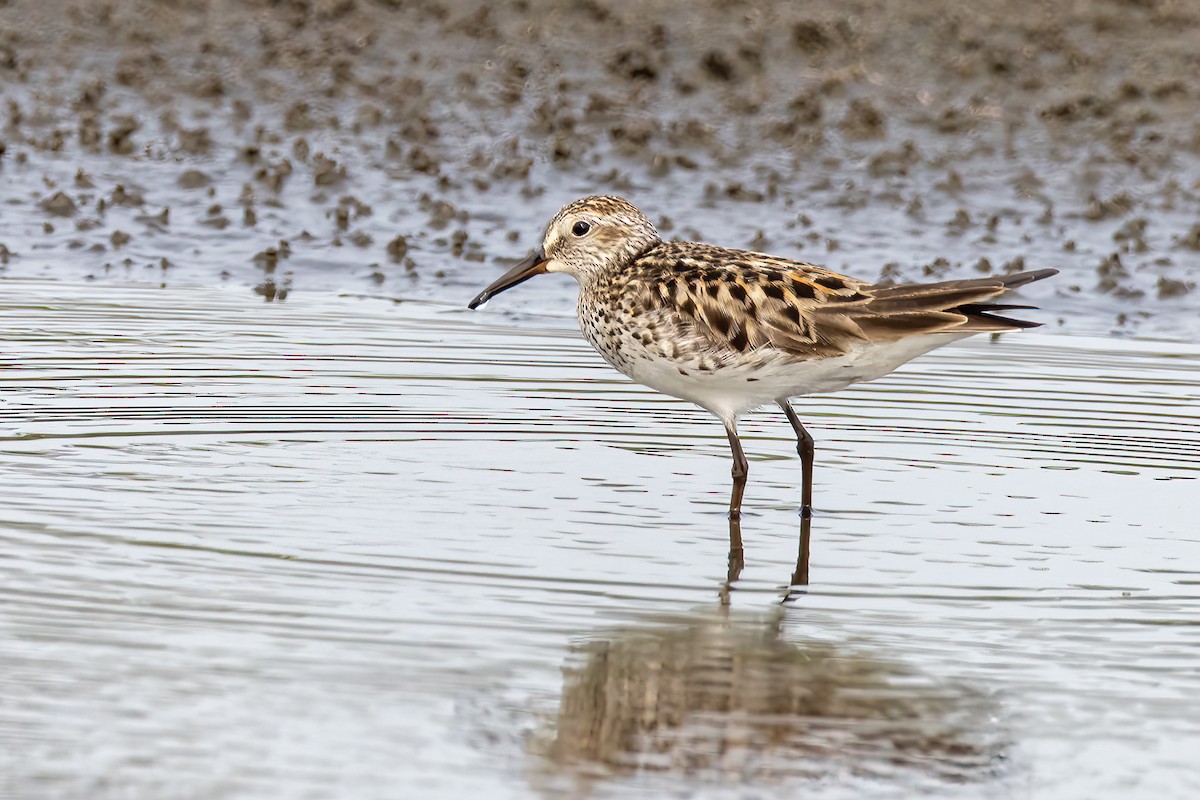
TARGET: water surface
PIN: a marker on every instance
(355, 548)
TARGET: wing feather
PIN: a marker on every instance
(738, 301)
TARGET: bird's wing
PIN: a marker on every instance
(946, 307)
(738, 301)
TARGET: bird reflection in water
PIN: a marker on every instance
(737, 560)
(727, 699)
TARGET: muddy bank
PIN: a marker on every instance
(410, 149)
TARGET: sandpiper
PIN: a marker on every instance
(732, 330)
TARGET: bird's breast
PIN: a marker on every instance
(656, 351)
(616, 334)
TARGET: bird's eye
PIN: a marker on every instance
(580, 228)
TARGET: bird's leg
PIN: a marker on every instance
(740, 470)
(804, 446)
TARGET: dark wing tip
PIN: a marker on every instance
(1015, 323)
(1022, 278)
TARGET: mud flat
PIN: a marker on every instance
(411, 148)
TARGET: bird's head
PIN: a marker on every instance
(586, 238)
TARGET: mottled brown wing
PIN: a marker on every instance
(740, 301)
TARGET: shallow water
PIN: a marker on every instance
(355, 548)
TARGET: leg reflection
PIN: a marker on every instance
(737, 559)
(800, 574)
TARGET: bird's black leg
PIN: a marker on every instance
(740, 470)
(804, 446)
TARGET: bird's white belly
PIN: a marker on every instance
(734, 388)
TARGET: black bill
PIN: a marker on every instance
(535, 264)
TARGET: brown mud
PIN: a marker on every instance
(411, 148)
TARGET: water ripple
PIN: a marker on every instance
(263, 549)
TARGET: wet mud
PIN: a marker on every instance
(413, 148)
